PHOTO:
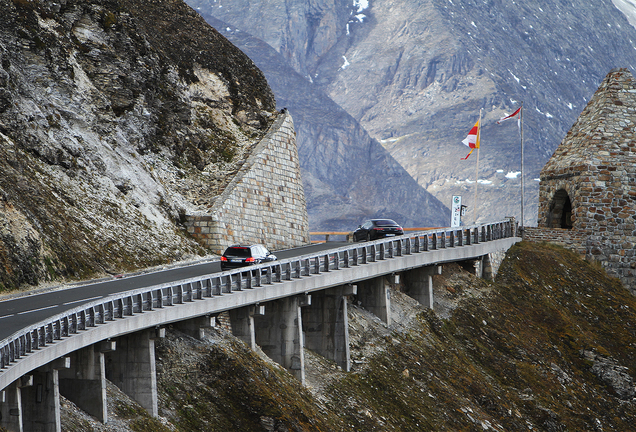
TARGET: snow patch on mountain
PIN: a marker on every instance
(628, 7)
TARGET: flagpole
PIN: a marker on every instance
(522, 173)
(477, 170)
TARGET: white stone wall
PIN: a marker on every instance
(264, 203)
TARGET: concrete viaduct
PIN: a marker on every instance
(282, 307)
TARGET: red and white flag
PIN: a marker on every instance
(472, 140)
(516, 114)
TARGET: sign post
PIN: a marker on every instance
(456, 211)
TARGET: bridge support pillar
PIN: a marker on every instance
(279, 333)
(375, 296)
(242, 322)
(84, 383)
(419, 284)
(326, 326)
(41, 401)
(11, 404)
(132, 368)
(196, 327)
(486, 267)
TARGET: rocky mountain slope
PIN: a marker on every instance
(415, 74)
(116, 120)
(549, 346)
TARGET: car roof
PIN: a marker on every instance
(248, 246)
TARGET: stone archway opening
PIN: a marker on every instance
(560, 211)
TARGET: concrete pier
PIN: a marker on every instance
(374, 296)
(279, 333)
(41, 401)
(418, 284)
(132, 368)
(11, 404)
(326, 325)
(196, 327)
(84, 383)
(242, 322)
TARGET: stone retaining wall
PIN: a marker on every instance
(264, 203)
(569, 238)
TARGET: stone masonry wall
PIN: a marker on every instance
(596, 166)
(570, 239)
(264, 203)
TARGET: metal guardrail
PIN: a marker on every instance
(124, 304)
(349, 234)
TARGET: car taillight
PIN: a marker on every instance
(223, 258)
(378, 229)
(250, 259)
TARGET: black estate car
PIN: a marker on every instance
(240, 256)
(377, 228)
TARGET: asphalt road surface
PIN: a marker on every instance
(22, 312)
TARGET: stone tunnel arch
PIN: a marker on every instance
(560, 210)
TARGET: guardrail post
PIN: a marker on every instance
(286, 274)
(382, 251)
(277, 271)
(307, 267)
(227, 288)
(434, 241)
(269, 278)
(169, 297)
(451, 240)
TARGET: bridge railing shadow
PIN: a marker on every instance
(122, 305)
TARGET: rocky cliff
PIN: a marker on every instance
(415, 74)
(117, 118)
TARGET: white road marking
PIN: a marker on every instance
(82, 300)
(35, 310)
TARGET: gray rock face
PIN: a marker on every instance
(116, 119)
(415, 74)
(612, 374)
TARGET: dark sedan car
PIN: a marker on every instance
(241, 256)
(377, 228)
